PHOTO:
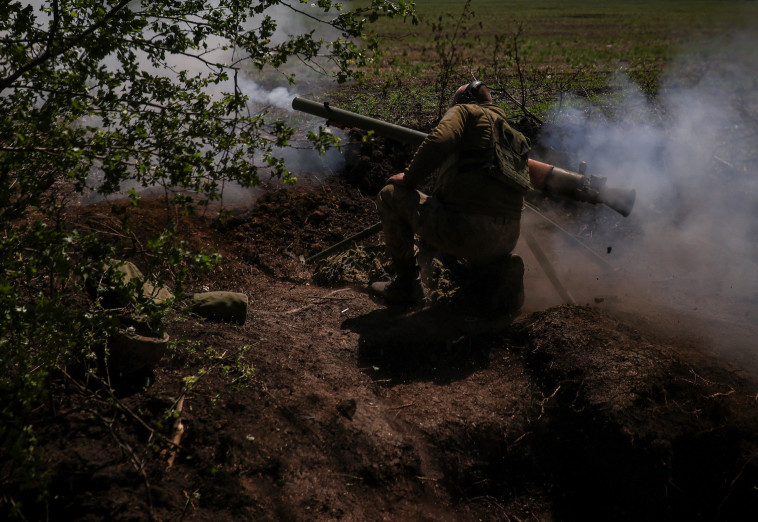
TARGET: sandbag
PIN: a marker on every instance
(113, 299)
(221, 306)
(158, 294)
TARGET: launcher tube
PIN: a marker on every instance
(382, 128)
(545, 178)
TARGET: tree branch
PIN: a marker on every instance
(51, 52)
(53, 26)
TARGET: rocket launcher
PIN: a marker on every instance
(546, 178)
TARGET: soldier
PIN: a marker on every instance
(474, 212)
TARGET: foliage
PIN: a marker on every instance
(149, 92)
(452, 46)
(106, 96)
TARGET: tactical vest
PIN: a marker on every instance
(509, 155)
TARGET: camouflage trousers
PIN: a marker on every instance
(407, 213)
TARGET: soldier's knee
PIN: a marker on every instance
(385, 197)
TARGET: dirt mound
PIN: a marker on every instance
(325, 405)
(292, 224)
(639, 419)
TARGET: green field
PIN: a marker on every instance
(538, 50)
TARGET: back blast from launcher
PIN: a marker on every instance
(546, 178)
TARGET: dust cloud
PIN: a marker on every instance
(691, 242)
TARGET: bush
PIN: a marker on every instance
(93, 96)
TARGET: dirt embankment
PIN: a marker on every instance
(325, 405)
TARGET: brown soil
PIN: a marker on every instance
(358, 412)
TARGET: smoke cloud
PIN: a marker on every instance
(691, 242)
(267, 90)
(277, 95)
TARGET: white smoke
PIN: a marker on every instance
(690, 242)
(267, 90)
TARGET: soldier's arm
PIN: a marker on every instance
(437, 146)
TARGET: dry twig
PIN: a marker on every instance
(322, 299)
(178, 431)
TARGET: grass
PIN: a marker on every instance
(591, 33)
(570, 46)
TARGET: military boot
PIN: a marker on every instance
(500, 287)
(508, 295)
(403, 289)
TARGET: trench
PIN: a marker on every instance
(581, 461)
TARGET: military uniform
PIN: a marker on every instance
(474, 211)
